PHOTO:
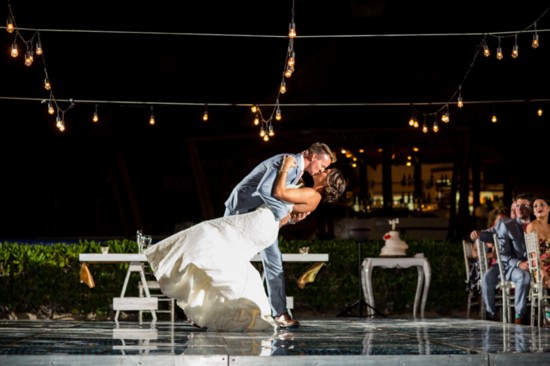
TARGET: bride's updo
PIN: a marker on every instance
(335, 185)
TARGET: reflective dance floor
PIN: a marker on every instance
(333, 341)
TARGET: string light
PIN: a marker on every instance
(152, 118)
(500, 55)
(14, 51)
(283, 87)
(486, 51)
(278, 115)
(205, 114)
(10, 22)
(515, 49)
(95, 118)
(29, 58)
(535, 41)
(292, 29)
(288, 70)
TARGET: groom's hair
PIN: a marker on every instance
(320, 148)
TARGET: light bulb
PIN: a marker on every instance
(486, 51)
(460, 103)
(291, 59)
(256, 120)
(278, 115)
(425, 128)
(535, 42)
(95, 118)
(494, 118)
(539, 112)
(51, 109)
(292, 30)
(10, 27)
(152, 120)
(283, 88)
(28, 58)
(38, 49)
(515, 51)
(500, 55)
(47, 84)
(14, 51)
(205, 116)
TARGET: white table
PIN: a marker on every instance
(123, 302)
(422, 286)
(295, 257)
(136, 265)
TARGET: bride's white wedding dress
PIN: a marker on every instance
(207, 269)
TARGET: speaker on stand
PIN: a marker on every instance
(360, 235)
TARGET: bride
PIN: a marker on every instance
(207, 268)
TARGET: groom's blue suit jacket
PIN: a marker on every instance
(256, 188)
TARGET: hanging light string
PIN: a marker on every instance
(34, 46)
(266, 125)
(443, 112)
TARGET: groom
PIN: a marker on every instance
(256, 189)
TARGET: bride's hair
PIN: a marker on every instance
(335, 185)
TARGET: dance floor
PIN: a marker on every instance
(333, 341)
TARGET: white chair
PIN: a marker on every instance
(504, 287)
(469, 262)
(155, 291)
(483, 267)
(537, 293)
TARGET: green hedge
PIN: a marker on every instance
(45, 279)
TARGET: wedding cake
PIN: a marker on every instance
(394, 246)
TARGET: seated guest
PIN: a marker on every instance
(495, 215)
(511, 246)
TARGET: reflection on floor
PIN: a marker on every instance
(342, 341)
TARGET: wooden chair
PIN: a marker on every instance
(537, 293)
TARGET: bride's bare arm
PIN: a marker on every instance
(304, 199)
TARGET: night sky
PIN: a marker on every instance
(362, 69)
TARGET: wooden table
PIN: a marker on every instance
(422, 286)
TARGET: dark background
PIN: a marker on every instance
(354, 91)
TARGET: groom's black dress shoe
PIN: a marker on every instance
(285, 321)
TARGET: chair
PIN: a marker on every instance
(504, 287)
(469, 262)
(155, 291)
(483, 268)
(537, 293)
